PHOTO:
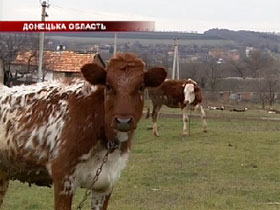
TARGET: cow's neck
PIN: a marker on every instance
(123, 142)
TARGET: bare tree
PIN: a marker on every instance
(32, 47)
(257, 61)
(196, 71)
(261, 92)
(268, 84)
(147, 59)
(10, 46)
(189, 70)
(272, 86)
(214, 73)
(239, 67)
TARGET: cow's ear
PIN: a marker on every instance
(94, 74)
(196, 88)
(155, 76)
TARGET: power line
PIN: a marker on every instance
(77, 10)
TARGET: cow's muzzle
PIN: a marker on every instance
(186, 102)
(124, 124)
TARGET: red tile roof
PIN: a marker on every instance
(59, 61)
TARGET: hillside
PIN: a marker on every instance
(248, 38)
(139, 35)
(213, 38)
(219, 37)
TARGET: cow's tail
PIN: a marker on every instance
(147, 113)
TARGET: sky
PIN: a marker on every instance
(175, 15)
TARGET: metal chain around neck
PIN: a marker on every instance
(111, 146)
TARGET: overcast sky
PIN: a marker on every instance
(174, 15)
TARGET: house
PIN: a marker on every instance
(248, 51)
(56, 64)
(224, 54)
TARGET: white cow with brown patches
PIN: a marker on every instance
(184, 94)
(58, 133)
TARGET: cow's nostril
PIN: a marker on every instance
(123, 120)
(124, 123)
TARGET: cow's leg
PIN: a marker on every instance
(63, 191)
(63, 199)
(203, 117)
(4, 184)
(99, 201)
(185, 121)
(155, 113)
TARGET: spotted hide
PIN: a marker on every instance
(57, 132)
(182, 94)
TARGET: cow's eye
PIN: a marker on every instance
(142, 88)
(108, 88)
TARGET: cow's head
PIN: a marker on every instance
(124, 81)
(190, 91)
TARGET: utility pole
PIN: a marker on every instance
(44, 5)
(178, 65)
(115, 43)
(176, 61)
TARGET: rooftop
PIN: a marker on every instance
(59, 61)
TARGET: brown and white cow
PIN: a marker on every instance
(182, 94)
(58, 133)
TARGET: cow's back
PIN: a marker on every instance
(169, 93)
(32, 119)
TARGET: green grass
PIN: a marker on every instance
(233, 166)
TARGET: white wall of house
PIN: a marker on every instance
(49, 76)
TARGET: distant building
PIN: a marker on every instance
(198, 57)
(238, 89)
(57, 64)
(60, 47)
(223, 54)
(248, 51)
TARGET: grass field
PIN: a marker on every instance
(233, 166)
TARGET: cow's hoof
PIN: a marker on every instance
(185, 133)
(156, 134)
